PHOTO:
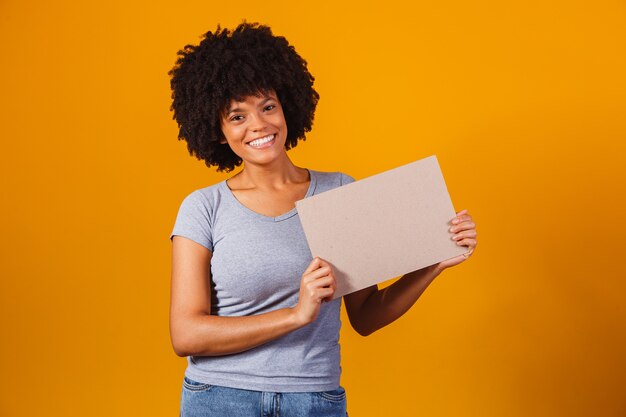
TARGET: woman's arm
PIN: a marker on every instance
(371, 309)
(194, 331)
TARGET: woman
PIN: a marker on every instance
(249, 307)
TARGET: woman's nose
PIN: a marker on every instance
(257, 121)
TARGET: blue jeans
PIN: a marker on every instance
(205, 400)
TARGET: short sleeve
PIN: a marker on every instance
(346, 179)
(194, 220)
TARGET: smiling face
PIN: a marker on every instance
(255, 128)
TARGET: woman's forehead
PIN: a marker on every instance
(255, 96)
(251, 100)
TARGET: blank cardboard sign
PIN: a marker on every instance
(382, 226)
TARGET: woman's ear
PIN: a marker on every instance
(223, 141)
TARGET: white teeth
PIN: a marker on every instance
(261, 141)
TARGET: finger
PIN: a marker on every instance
(462, 226)
(318, 273)
(459, 219)
(321, 282)
(467, 233)
(315, 270)
(312, 266)
(455, 261)
(332, 284)
(326, 294)
(323, 262)
(467, 242)
(319, 294)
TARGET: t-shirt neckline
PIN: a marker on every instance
(284, 216)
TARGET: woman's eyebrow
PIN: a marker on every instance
(236, 109)
(267, 98)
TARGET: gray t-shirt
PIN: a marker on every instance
(256, 267)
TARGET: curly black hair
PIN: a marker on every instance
(226, 65)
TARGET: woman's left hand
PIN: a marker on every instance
(464, 233)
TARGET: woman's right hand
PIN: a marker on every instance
(197, 332)
(317, 285)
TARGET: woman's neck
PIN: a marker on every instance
(264, 177)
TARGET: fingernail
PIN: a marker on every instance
(451, 229)
(455, 221)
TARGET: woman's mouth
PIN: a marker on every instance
(263, 142)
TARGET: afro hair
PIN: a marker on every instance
(227, 65)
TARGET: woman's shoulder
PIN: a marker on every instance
(329, 180)
(342, 177)
(207, 197)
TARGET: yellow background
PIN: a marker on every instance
(522, 102)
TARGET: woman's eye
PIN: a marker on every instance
(270, 107)
(236, 118)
